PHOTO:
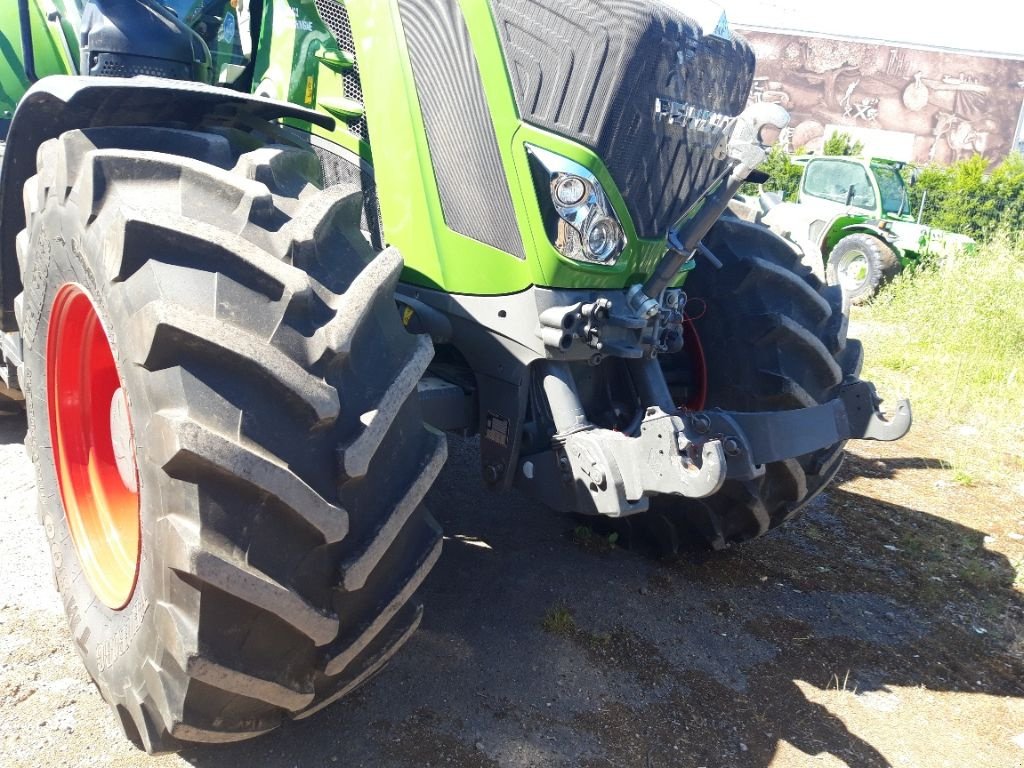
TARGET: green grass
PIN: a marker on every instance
(559, 621)
(590, 540)
(951, 336)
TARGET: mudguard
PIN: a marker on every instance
(62, 103)
(872, 229)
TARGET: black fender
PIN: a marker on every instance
(870, 228)
(64, 103)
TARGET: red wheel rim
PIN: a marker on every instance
(695, 351)
(93, 449)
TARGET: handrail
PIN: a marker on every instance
(27, 51)
(54, 17)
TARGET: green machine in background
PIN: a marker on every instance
(258, 256)
(855, 214)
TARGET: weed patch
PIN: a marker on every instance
(954, 342)
(559, 621)
(592, 541)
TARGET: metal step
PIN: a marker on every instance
(347, 110)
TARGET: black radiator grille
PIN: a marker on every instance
(592, 70)
(471, 180)
(335, 16)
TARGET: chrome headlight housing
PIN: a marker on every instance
(581, 223)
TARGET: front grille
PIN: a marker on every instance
(475, 196)
(592, 70)
(121, 65)
(335, 16)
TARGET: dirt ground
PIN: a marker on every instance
(886, 627)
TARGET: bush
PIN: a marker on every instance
(783, 175)
(966, 198)
(840, 144)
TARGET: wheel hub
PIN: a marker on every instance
(853, 271)
(93, 448)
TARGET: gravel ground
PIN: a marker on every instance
(883, 628)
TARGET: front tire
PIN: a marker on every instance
(280, 453)
(773, 339)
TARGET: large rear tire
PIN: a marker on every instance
(270, 416)
(773, 339)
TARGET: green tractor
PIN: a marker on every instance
(257, 257)
(855, 213)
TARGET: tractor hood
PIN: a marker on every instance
(632, 103)
(639, 83)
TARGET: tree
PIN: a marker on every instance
(840, 144)
(783, 175)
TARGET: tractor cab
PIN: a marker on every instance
(872, 186)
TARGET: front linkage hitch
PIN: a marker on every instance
(673, 452)
(692, 454)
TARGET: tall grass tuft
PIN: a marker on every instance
(952, 336)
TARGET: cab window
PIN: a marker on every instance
(832, 180)
(892, 190)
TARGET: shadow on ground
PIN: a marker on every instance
(13, 428)
(536, 650)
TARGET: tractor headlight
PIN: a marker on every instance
(570, 190)
(603, 238)
(580, 221)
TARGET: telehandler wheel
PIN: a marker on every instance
(774, 338)
(222, 410)
(860, 264)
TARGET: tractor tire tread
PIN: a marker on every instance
(241, 290)
(769, 349)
